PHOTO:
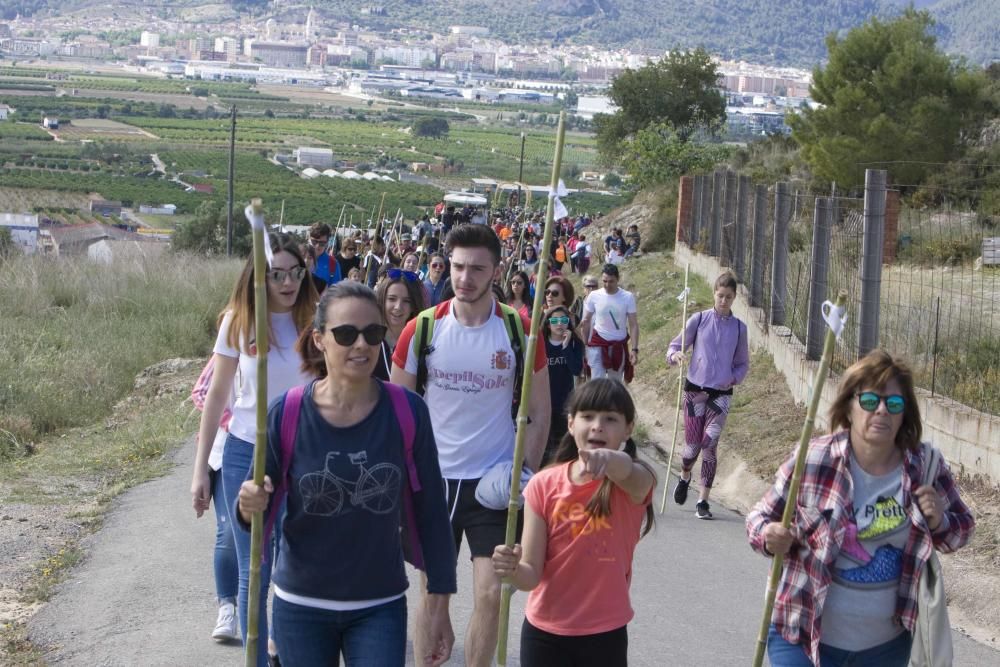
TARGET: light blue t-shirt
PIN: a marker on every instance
(861, 601)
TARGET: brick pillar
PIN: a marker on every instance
(890, 242)
(684, 203)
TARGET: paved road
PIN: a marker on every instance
(144, 594)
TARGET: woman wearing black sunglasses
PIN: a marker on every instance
(865, 526)
(340, 584)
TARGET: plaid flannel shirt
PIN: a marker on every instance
(823, 508)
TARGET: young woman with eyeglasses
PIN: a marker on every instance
(290, 304)
(564, 348)
(339, 581)
(400, 296)
(518, 295)
(874, 503)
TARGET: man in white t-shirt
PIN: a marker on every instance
(470, 367)
(611, 328)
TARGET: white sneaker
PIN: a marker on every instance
(225, 625)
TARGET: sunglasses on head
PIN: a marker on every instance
(869, 400)
(279, 276)
(558, 319)
(346, 334)
(408, 276)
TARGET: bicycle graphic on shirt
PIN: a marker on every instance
(376, 489)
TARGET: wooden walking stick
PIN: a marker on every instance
(513, 507)
(680, 386)
(834, 316)
(255, 214)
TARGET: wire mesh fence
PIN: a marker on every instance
(938, 299)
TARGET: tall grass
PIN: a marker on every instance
(74, 334)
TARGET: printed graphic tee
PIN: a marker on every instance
(861, 602)
(470, 389)
(610, 312)
(588, 560)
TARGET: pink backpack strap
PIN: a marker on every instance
(404, 416)
(289, 430)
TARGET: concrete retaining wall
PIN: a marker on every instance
(969, 439)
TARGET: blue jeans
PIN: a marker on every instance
(226, 569)
(373, 637)
(893, 653)
(237, 460)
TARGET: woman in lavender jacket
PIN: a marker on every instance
(720, 360)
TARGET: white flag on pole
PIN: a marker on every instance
(257, 222)
(558, 208)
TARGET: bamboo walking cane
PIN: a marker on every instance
(680, 387)
(834, 319)
(522, 411)
(255, 213)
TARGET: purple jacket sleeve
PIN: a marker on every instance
(690, 334)
(741, 360)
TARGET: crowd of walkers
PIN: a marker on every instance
(394, 374)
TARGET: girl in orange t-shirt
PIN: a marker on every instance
(583, 516)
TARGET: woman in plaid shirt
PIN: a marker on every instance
(863, 529)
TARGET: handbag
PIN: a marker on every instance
(932, 634)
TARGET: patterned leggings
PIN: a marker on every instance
(704, 419)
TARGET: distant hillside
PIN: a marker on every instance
(767, 31)
(775, 31)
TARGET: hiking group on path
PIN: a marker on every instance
(390, 438)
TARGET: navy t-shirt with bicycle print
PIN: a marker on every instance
(340, 537)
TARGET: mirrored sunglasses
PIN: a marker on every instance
(559, 319)
(869, 400)
(279, 276)
(346, 334)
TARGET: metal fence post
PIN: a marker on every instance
(779, 265)
(707, 183)
(871, 259)
(740, 250)
(715, 240)
(815, 329)
(757, 249)
(699, 183)
(729, 222)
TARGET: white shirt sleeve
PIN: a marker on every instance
(222, 346)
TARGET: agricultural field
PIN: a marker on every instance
(106, 146)
(18, 200)
(99, 129)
